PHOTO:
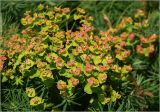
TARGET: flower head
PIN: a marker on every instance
(139, 49)
(59, 62)
(36, 101)
(65, 10)
(30, 92)
(109, 59)
(139, 13)
(128, 68)
(77, 71)
(124, 36)
(153, 38)
(102, 68)
(74, 81)
(61, 85)
(84, 47)
(88, 57)
(131, 36)
(81, 11)
(143, 39)
(1, 65)
(88, 68)
(150, 49)
(14, 37)
(91, 81)
(70, 63)
(102, 77)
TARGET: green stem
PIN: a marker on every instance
(43, 89)
(59, 105)
(66, 25)
(73, 25)
(74, 103)
(39, 86)
(64, 107)
(27, 82)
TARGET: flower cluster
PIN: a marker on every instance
(44, 51)
(35, 100)
(146, 47)
(2, 58)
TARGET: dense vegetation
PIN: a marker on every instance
(79, 56)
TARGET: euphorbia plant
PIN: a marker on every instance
(52, 53)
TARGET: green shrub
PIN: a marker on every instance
(59, 48)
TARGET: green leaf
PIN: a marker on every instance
(115, 96)
(48, 105)
(146, 52)
(54, 55)
(42, 53)
(96, 89)
(103, 99)
(48, 59)
(104, 62)
(76, 17)
(67, 16)
(65, 54)
(84, 21)
(74, 43)
(68, 75)
(83, 57)
(118, 56)
(96, 60)
(65, 73)
(30, 65)
(95, 74)
(92, 42)
(40, 7)
(18, 61)
(35, 75)
(88, 89)
(49, 82)
(4, 79)
(19, 81)
(53, 48)
(129, 43)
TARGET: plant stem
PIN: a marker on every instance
(73, 26)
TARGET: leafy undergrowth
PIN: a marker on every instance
(56, 56)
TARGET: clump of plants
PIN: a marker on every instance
(59, 50)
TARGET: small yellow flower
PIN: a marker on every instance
(30, 92)
(80, 10)
(36, 101)
(115, 95)
(102, 78)
(104, 100)
(40, 7)
(24, 21)
(49, 23)
(139, 13)
(145, 23)
(137, 25)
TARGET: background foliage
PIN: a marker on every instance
(141, 91)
